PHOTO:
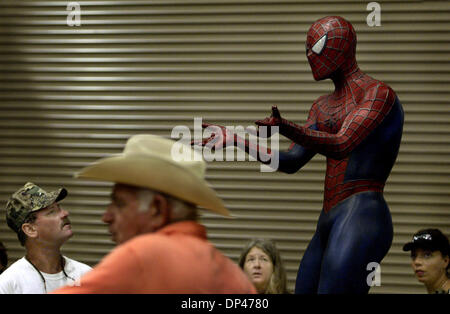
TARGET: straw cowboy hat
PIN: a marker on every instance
(156, 163)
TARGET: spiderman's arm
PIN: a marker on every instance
(295, 158)
(289, 161)
(355, 128)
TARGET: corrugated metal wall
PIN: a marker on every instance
(70, 95)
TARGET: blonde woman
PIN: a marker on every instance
(261, 262)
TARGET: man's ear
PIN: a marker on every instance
(159, 211)
(30, 230)
(446, 260)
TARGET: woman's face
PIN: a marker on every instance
(429, 266)
(259, 268)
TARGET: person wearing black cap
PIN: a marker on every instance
(430, 256)
(42, 227)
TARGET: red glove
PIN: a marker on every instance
(221, 137)
(274, 120)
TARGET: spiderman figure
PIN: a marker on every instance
(358, 128)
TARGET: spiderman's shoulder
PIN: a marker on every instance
(376, 90)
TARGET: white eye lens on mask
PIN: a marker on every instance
(319, 45)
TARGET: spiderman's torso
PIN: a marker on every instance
(367, 166)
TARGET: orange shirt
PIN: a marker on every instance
(175, 259)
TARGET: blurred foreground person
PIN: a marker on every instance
(152, 216)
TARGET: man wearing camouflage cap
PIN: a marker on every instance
(42, 227)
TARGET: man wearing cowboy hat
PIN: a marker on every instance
(42, 227)
(152, 216)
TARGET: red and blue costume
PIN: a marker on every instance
(358, 128)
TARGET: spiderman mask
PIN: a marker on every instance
(331, 47)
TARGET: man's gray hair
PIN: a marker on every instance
(180, 210)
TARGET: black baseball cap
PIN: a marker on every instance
(429, 239)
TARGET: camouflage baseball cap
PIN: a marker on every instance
(29, 198)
